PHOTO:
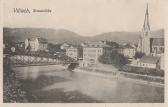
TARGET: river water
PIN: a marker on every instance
(53, 84)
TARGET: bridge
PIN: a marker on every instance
(38, 59)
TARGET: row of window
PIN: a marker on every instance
(90, 55)
(158, 49)
(92, 50)
(72, 50)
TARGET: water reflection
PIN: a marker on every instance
(41, 81)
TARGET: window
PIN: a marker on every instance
(99, 50)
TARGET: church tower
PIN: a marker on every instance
(144, 42)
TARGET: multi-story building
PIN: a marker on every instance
(129, 51)
(157, 47)
(149, 62)
(75, 52)
(92, 51)
(36, 44)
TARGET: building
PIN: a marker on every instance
(75, 52)
(92, 51)
(150, 43)
(162, 66)
(157, 47)
(149, 62)
(129, 51)
(56, 48)
(36, 44)
(65, 46)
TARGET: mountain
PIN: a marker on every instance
(119, 37)
(63, 35)
(52, 35)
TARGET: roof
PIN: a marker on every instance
(65, 44)
(128, 46)
(157, 34)
(158, 42)
(75, 47)
(149, 59)
(96, 45)
(41, 40)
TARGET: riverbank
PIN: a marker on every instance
(12, 92)
(54, 83)
(124, 76)
(114, 73)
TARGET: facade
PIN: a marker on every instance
(162, 66)
(157, 47)
(149, 62)
(36, 44)
(74, 52)
(129, 51)
(92, 51)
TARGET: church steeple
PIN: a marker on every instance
(146, 25)
(145, 36)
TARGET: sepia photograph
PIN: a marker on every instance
(83, 51)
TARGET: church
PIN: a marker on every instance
(151, 43)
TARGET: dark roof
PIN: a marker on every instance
(157, 34)
(149, 59)
(128, 46)
(41, 40)
(96, 45)
(158, 42)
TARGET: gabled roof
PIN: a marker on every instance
(149, 59)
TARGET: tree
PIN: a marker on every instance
(138, 55)
(114, 58)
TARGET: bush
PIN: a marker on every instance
(143, 71)
(138, 55)
(11, 86)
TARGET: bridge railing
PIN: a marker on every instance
(20, 58)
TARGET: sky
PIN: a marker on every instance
(86, 17)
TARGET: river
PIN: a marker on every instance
(53, 84)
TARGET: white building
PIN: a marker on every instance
(92, 51)
(74, 52)
(149, 62)
(129, 51)
(36, 44)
